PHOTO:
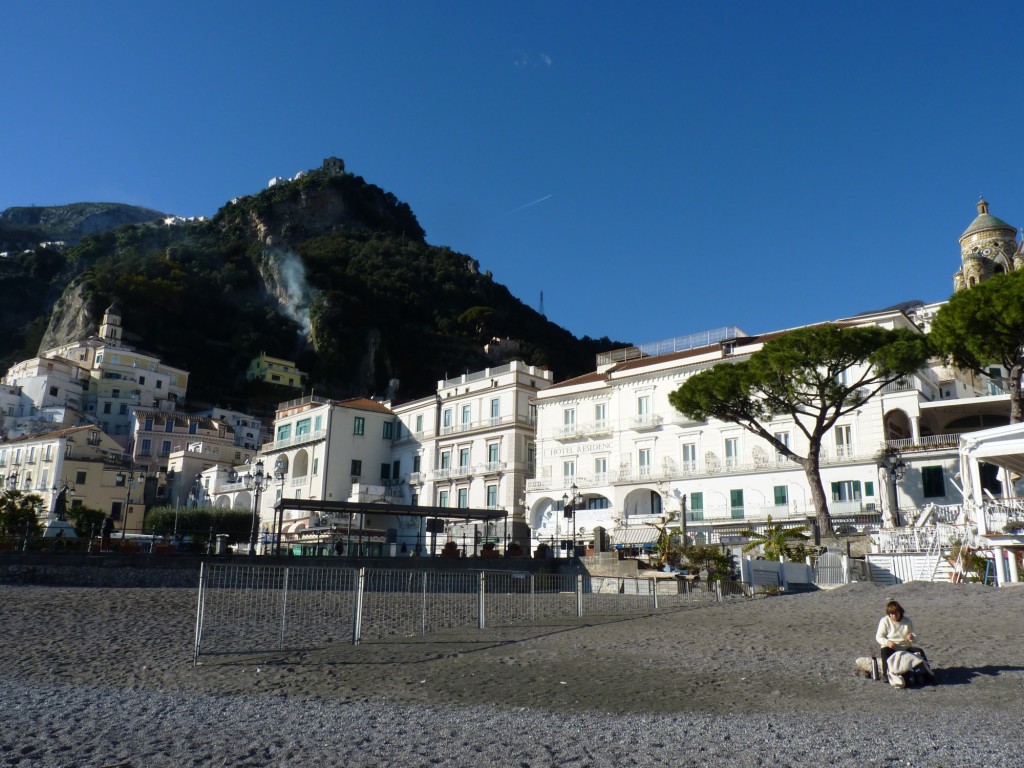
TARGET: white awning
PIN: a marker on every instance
(636, 536)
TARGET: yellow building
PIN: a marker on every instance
(276, 370)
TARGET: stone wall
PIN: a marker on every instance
(160, 571)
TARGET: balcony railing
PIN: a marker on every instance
(646, 421)
(491, 422)
(929, 442)
(289, 442)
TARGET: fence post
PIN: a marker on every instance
(718, 591)
(579, 595)
(284, 609)
(423, 605)
(533, 597)
(357, 607)
(654, 593)
(199, 613)
(481, 604)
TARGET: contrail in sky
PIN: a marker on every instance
(522, 207)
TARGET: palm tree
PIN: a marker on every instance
(776, 540)
(18, 514)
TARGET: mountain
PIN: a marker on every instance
(22, 228)
(327, 270)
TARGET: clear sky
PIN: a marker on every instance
(655, 168)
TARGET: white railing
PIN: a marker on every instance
(929, 441)
(288, 442)
(646, 421)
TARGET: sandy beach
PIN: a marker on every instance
(104, 677)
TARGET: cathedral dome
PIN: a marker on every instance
(986, 222)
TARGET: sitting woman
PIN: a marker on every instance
(896, 633)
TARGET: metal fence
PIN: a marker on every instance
(246, 609)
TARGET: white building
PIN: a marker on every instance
(472, 445)
(613, 435)
(323, 449)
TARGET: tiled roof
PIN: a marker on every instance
(365, 404)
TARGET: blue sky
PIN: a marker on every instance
(655, 169)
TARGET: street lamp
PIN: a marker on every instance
(569, 510)
(128, 480)
(256, 481)
(899, 471)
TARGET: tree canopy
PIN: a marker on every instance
(814, 376)
(984, 326)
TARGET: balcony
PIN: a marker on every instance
(646, 421)
(291, 442)
(491, 422)
(929, 443)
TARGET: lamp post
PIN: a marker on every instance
(128, 480)
(256, 481)
(569, 510)
(899, 471)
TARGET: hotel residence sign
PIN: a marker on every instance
(572, 450)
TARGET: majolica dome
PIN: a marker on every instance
(985, 222)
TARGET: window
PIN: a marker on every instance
(388, 432)
(317, 423)
(869, 489)
(492, 496)
(782, 437)
(54, 391)
(302, 427)
(169, 426)
(495, 410)
(147, 447)
(598, 502)
(697, 505)
(844, 441)
(142, 380)
(316, 465)
(446, 459)
(357, 468)
(115, 393)
(416, 463)
(106, 407)
(123, 409)
(569, 472)
(115, 510)
(600, 469)
(492, 453)
(359, 426)
(442, 499)
(644, 456)
(80, 478)
(31, 455)
(847, 490)
(419, 423)
(165, 449)
(601, 415)
(47, 453)
(732, 451)
(395, 469)
(466, 410)
(736, 503)
(284, 432)
(643, 406)
(193, 427)
(933, 482)
(464, 459)
(149, 424)
(385, 471)
(781, 496)
(446, 420)
(569, 418)
(159, 384)
(689, 457)
(463, 498)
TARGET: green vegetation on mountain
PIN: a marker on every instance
(327, 270)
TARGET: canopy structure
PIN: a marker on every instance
(636, 537)
(999, 446)
(377, 508)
